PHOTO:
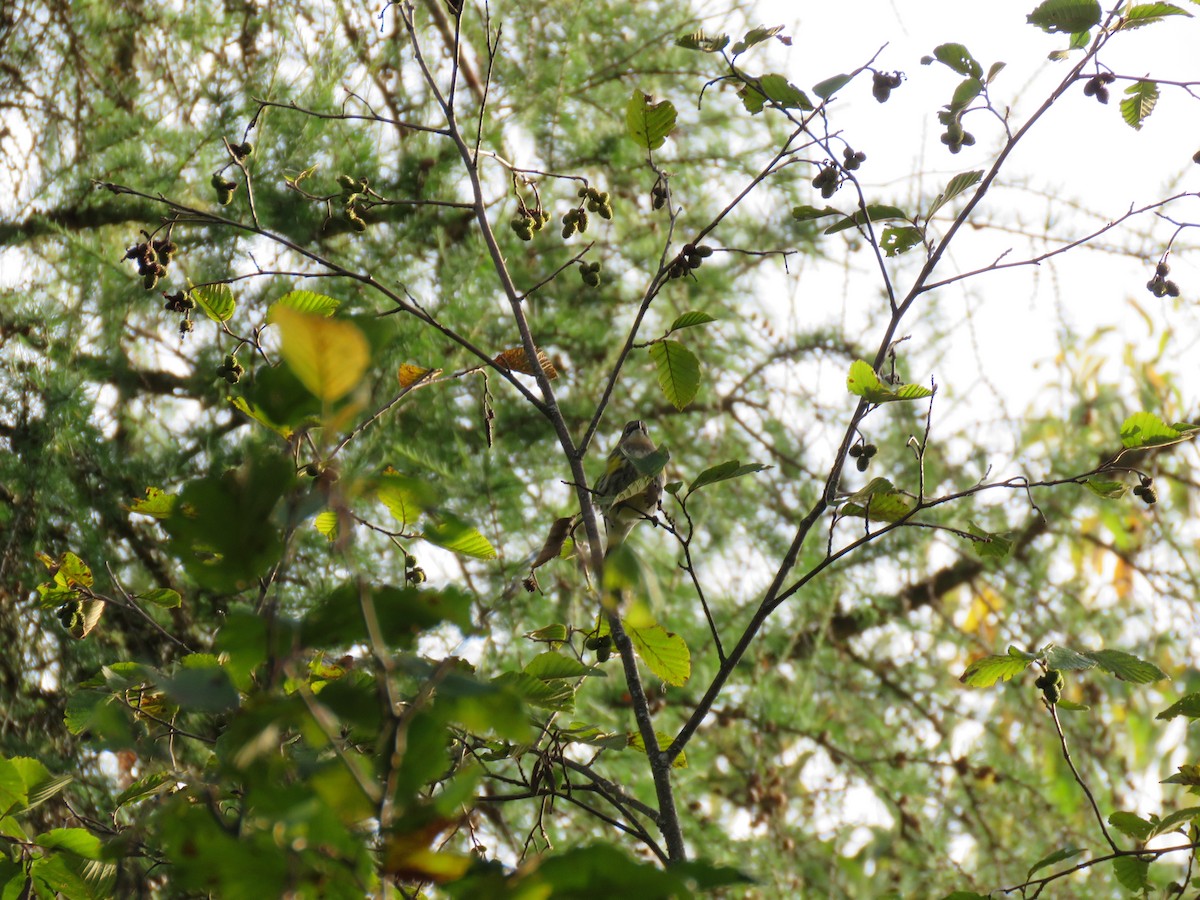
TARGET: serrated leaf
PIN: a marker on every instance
(1109, 490)
(958, 58)
(875, 212)
(1131, 872)
(1145, 429)
(691, 319)
(515, 359)
(152, 784)
(1129, 824)
(987, 671)
(329, 356)
(308, 302)
(647, 122)
(1067, 660)
(552, 634)
(1185, 706)
(1140, 100)
(863, 382)
(409, 374)
(253, 411)
(966, 91)
(664, 653)
(755, 36)
(880, 506)
(40, 785)
(989, 545)
(805, 212)
(698, 40)
(1173, 820)
(157, 503)
(163, 598)
(557, 694)
(635, 741)
(956, 185)
(1187, 774)
(895, 241)
(723, 472)
(405, 497)
(778, 90)
(1066, 16)
(216, 300)
(582, 733)
(551, 665)
(455, 535)
(78, 841)
(1149, 14)
(1127, 667)
(327, 524)
(830, 86)
(1056, 857)
(678, 372)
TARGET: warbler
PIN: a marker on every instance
(624, 494)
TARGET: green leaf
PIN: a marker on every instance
(78, 841)
(678, 372)
(778, 90)
(255, 412)
(698, 40)
(1071, 706)
(13, 793)
(1067, 660)
(1149, 14)
(755, 36)
(990, 545)
(1132, 825)
(1109, 490)
(664, 741)
(556, 695)
(582, 733)
(1127, 667)
(1187, 774)
(993, 70)
(153, 784)
(1172, 821)
(216, 300)
(551, 665)
(895, 241)
(163, 598)
(958, 58)
(327, 524)
(1145, 429)
(723, 472)
(40, 785)
(966, 92)
(406, 498)
(830, 86)
(863, 382)
(1056, 857)
(455, 535)
(956, 185)
(551, 634)
(1066, 16)
(987, 671)
(690, 319)
(664, 653)
(647, 122)
(308, 302)
(804, 213)
(875, 212)
(878, 501)
(205, 688)
(1131, 872)
(1140, 100)
(157, 504)
(1185, 706)
(328, 356)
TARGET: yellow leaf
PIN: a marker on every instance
(409, 374)
(329, 356)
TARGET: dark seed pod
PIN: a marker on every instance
(1171, 288)
(1162, 269)
(186, 326)
(149, 280)
(855, 451)
(861, 463)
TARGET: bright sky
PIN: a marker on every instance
(1080, 167)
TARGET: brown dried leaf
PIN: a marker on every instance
(516, 360)
(554, 542)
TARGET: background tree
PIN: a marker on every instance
(346, 233)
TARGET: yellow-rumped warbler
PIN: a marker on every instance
(623, 493)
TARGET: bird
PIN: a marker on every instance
(624, 493)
